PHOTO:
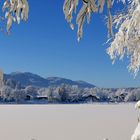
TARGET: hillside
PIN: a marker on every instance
(27, 79)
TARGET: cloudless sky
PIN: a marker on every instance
(45, 45)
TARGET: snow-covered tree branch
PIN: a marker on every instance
(89, 7)
(15, 11)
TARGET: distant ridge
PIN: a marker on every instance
(27, 78)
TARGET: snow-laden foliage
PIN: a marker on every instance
(89, 6)
(127, 39)
(15, 11)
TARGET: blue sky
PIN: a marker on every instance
(45, 45)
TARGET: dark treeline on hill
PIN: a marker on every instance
(27, 88)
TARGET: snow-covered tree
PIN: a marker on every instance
(15, 11)
(49, 93)
(1, 78)
(6, 93)
(127, 39)
(19, 96)
(63, 93)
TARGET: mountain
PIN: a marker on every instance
(26, 78)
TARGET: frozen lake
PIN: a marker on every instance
(67, 122)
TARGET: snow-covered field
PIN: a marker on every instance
(67, 122)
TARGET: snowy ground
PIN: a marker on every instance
(67, 122)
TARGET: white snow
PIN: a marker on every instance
(67, 122)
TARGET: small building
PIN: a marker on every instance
(30, 96)
(41, 97)
(91, 98)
